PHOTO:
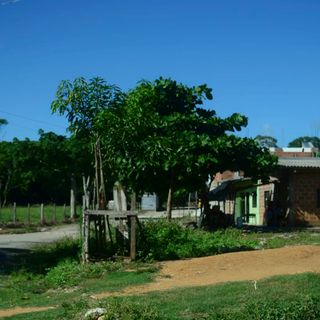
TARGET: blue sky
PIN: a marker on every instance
(261, 57)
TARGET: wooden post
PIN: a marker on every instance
(133, 240)
(73, 198)
(14, 213)
(189, 204)
(29, 215)
(42, 214)
(86, 236)
(109, 229)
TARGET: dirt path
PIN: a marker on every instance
(239, 266)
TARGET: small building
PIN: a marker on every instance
(246, 200)
(299, 190)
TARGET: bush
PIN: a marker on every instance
(128, 310)
(164, 240)
(70, 272)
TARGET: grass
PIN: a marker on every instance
(271, 240)
(52, 275)
(24, 220)
(278, 298)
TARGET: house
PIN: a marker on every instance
(299, 190)
(246, 200)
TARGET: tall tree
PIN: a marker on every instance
(266, 141)
(298, 142)
(81, 101)
(162, 139)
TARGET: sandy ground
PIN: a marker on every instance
(239, 266)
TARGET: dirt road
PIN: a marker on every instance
(238, 266)
(28, 240)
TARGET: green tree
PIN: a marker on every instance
(162, 139)
(266, 141)
(82, 101)
(298, 142)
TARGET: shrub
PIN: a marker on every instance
(164, 240)
(70, 272)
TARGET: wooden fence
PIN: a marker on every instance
(34, 214)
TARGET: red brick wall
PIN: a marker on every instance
(304, 201)
(285, 154)
(262, 209)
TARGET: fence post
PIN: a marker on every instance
(133, 241)
(14, 213)
(29, 215)
(42, 214)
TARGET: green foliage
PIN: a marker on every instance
(83, 100)
(297, 143)
(163, 134)
(40, 171)
(70, 273)
(165, 241)
(3, 122)
(266, 141)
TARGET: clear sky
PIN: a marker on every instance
(261, 57)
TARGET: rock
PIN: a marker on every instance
(95, 314)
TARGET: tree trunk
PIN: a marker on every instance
(100, 185)
(103, 200)
(169, 204)
(5, 191)
(133, 203)
(86, 192)
(97, 185)
(73, 198)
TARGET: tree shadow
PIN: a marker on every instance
(39, 259)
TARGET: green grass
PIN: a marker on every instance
(52, 275)
(270, 240)
(52, 215)
(278, 298)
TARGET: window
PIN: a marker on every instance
(254, 199)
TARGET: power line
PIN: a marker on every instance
(30, 119)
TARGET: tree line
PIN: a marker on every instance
(271, 142)
(157, 137)
(41, 171)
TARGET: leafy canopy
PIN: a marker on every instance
(162, 137)
(297, 143)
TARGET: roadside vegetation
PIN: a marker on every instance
(52, 275)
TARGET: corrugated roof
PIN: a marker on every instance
(299, 162)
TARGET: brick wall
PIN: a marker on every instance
(262, 209)
(305, 184)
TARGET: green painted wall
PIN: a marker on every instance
(245, 198)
